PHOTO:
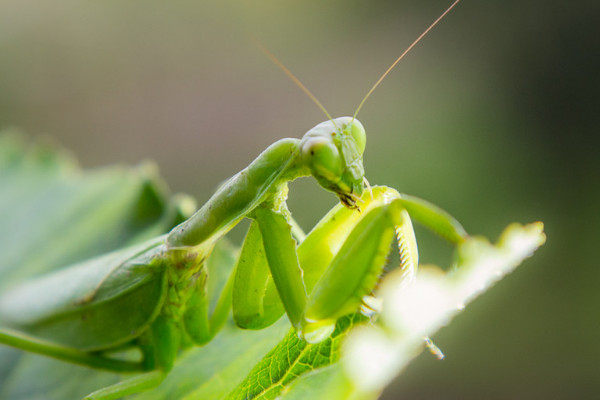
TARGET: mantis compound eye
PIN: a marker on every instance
(358, 133)
(324, 158)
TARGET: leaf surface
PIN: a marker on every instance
(54, 215)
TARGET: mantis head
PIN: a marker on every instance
(333, 152)
(333, 149)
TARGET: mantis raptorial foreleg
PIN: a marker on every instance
(256, 303)
(338, 268)
(280, 251)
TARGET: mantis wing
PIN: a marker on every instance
(94, 305)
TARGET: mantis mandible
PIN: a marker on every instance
(160, 286)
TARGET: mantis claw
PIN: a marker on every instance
(371, 306)
(347, 201)
(350, 200)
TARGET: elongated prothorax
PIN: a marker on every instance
(331, 152)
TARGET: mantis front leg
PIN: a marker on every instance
(258, 286)
(280, 250)
(340, 261)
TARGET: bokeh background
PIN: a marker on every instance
(494, 116)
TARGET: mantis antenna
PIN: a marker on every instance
(409, 48)
(293, 78)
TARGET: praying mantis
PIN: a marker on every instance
(152, 296)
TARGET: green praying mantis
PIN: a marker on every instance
(153, 296)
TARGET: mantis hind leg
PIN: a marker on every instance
(159, 346)
(38, 346)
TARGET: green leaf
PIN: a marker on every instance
(292, 358)
(40, 378)
(53, 215)
(214, 370)
(376, 354)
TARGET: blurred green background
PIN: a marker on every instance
(494, 117)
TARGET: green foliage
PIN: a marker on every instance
(291, 358)
(54, 214)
